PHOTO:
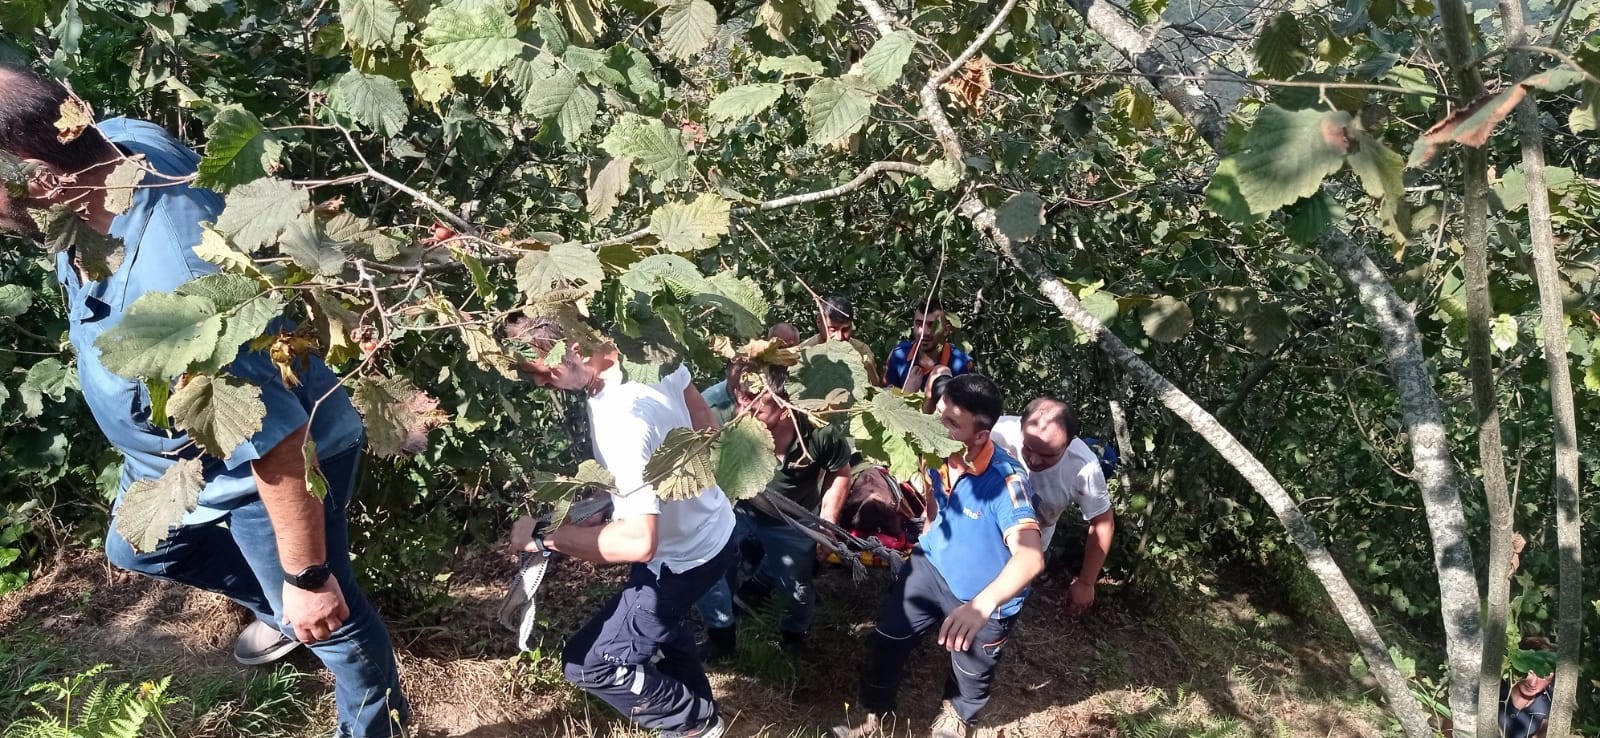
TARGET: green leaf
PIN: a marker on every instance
(398, 415)
(903, 415)
(1021, 216)
(886, 60)
(225, 291)
(551, 32)
(664, 271)
(160, 336)
(1310, 217)
(607, 186)
(693, 225)
(564, 99)
(257, 212)
(1381, 171)
(1503, 332)
(682, 466)
(218, 413)
(99, 255)
(564, 266)
(1223, 196)
(827, 367)
(787, 65)
(944, 175)
(594, 65)
(744, 458)
(373, 23)
(238, 150)
(1137, 107)
(835, 109)
(650, 144)
(1167, 319)
(1280, 48)
(744, 101)
(304, 242)
(1102, 305)
(374, 102)
(739, 299)
(242, 325)
(49, 377)
(1265, 329)
(687, 26)
(150, 509)
(471, 38)
(14, 300)
(1287, 155)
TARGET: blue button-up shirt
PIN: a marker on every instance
(159, 233)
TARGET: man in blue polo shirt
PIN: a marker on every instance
(929, 352)
(257, 536)
(969, 574)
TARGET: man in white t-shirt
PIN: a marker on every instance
(677, 549)
(1062, 470)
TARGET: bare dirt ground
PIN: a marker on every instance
(1227, 664)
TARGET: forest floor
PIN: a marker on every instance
(1221, 665)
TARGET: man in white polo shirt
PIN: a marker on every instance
(677, 549)
(1062, 470)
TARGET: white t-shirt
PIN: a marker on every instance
(1076, 479)
(629, 420)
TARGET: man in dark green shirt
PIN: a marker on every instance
(813, 471)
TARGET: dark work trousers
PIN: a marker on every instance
(612, 655)
(918, 602)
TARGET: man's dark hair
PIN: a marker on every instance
(28, 123)
(1057, 411)
(927, 305)
(837, 309)
(978, 395)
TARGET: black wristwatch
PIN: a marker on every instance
(311, 577)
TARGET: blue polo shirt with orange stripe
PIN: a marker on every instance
(980, 503)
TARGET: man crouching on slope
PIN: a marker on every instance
(677, 549)
(969, 574)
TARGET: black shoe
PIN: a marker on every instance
(794, 644)
(720, 645)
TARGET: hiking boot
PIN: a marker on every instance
(949, 724)
(871, 726)
(716, 727)
(260, 643)
(721, 644)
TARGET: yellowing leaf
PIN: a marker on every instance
(682, 466)
(218, 413)
(150, 509)
(398, 415)
(607, 186)
(693, 225)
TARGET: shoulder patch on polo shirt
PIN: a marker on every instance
(1018, 490)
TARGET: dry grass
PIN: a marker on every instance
(1220, 662)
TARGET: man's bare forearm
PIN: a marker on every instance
(1097, 546)
(626, 541)
(837, 491)
(701, 416)
(296, 514)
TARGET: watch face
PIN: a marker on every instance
(312, 577)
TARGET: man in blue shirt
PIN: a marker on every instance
(257, 536)
(969, 574)
(929, 352)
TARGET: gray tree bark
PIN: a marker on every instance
(1569, 626)
(1420, 407)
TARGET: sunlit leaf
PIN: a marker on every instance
(257, 212)
(682, 466)
(372, 101)
(398, 415)
(160, 336)
(744, 101)
(835, 108)
(218, 413)
(687, 26)
(653, 147)
(152, 508)
(692, 225)
(607, 186)
(744, 458)
(883, 63)
(564, 265)
(372, 23)
(238, 150)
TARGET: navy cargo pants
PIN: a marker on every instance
(918, 602)
(613, 655)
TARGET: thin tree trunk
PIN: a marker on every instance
(1569, 625)
(1424, 417)
(1345, 600)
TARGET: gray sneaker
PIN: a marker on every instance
(260, 643)
(714, 728)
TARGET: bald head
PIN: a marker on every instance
(787, 333)
(1048, 427)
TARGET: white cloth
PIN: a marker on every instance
(1076, 479)
(629, 420)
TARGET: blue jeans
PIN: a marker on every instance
(613, 656)
(786, 565)
(237, 557)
